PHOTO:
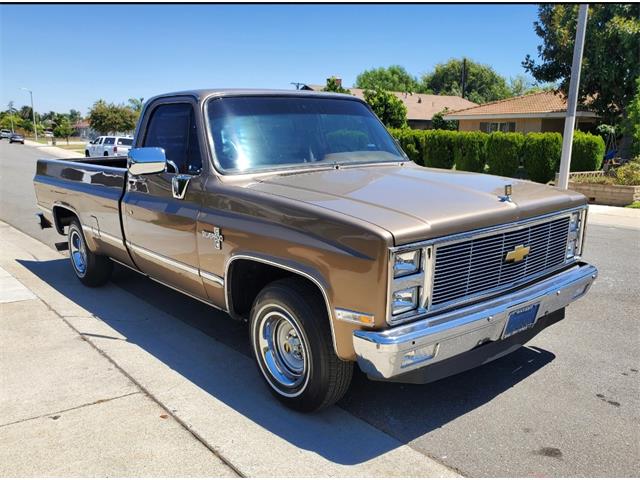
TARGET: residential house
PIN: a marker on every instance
(84, 130)
(420, 107)
(536, 112)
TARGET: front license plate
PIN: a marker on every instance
(521, 319)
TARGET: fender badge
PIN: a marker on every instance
(216, 236)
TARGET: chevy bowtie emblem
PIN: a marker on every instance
(517, 254)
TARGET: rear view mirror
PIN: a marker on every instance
(146, 160)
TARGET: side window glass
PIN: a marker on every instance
(172, 127)
(109, 141)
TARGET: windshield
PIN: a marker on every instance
(258, 133)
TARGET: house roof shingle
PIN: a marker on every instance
(420, 106)
(534, 103)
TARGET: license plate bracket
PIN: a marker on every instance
(521, 319)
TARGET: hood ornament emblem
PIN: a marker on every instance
(507, 194)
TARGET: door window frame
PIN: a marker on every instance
(147, 114)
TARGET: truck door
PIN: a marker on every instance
(160, 210)
(96, 147)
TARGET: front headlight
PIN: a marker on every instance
(406, 263)
(576, 234)
(409, 278)
(404, 300)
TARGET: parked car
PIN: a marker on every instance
(108, 146)
(48, 134)
(299, 214)
(5, 133)
(16, 138)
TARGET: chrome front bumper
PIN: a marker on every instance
(388, 353)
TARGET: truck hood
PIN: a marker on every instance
(415, 203)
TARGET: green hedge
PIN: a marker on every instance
(587, 152)
(439, 147)
(541, 155)
(503, 153)
(469, 153)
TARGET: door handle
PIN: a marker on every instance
(179, 184)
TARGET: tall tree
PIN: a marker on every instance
(523, 85)
(389, 108)
(63, 128)
(481, 82)
(74, 116)
(394, 78)
(110, 118)
(611, 60)
(136, 104)
(334, 85)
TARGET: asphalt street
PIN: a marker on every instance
(567, 404)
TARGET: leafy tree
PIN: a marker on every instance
(610, 63)
(25, 113)
(523, 85)
(632, 125)
(482, 83)
(136, 104)
(107, 117)
(74, 116)
(439, 123)
(9, 120)
(394, 78)
(63, 129)
(389, 108)
(334, 85)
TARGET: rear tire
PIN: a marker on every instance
(293, 347)
(91, 269)
(106, 154)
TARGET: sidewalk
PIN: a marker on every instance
(614, 216)
(97, 383)
(51, 151)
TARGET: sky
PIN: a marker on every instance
(72, 55)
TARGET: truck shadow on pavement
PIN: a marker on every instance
(170, 327)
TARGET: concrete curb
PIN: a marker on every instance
(210, 389)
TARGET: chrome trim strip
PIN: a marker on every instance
(290, 269)
(162, 259)
(397, 350)
(45, 209)
(170, 286)
(212, 277)
(106, 237)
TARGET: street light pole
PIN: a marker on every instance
(35, 124)
(572, 100)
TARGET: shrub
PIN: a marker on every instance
(587, 152)
(628, 174)
(469, 151)
(411, 141)
(438, 148)
(503, 153)
(541, 154)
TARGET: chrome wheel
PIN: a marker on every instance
(282, 350)
(78, 252)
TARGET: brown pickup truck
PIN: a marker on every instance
(298, 213)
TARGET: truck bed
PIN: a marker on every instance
(91, 188)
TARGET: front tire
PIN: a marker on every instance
(91, 269)
(293, 346)
(86, 153)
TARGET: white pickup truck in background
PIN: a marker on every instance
(108, 146)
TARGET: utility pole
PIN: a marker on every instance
(463, 80)
(572, 100)
(35, 124)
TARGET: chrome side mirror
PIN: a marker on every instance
(146, 160)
